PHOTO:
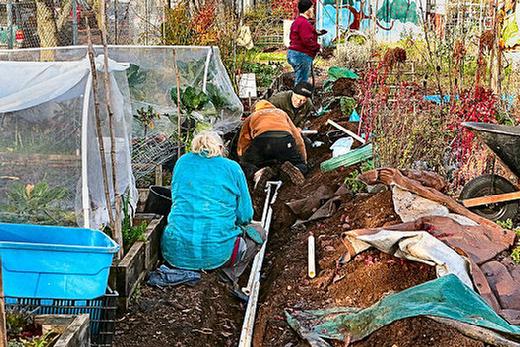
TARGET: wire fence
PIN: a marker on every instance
(52, 23)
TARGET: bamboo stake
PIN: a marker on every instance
(101, 144)
(116, 226)
(178, 85)
(3, 329)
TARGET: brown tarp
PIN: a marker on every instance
(494, 275)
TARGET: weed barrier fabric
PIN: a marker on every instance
(445, 297)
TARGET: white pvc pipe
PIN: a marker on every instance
(61, 48)
(311, 262)
(85, 198)
(339, 127)
(247, 290)
(309, 132)
(246, 335)
(206, 68)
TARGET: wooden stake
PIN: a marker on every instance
(491, 199)
(101, 144)
(178, 85)
(3, 329)
(117, 224)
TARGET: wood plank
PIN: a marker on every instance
(491, 199)
(52, 160)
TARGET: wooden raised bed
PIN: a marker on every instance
(74, 330)
(141, 258)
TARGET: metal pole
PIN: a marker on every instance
(10, 31)
(74, 22)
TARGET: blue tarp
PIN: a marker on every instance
(445, 297)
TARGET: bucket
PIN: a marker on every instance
(159, 200)
(55, 262)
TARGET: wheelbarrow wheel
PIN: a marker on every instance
(491, 185)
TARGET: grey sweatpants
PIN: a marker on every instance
(247, 249)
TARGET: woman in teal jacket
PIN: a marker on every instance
(211, 210)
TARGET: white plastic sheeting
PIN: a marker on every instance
(48, 130)
(411, 207)
(199, 66)
(416, 246)
(150, 79)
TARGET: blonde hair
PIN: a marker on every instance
(208, 143)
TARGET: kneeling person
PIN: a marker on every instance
(269, 137)
(296, 103)
(209, 223)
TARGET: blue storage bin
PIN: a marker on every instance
(55, 262)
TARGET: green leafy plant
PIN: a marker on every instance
(192, 99)
(352, 182)
(135, 75)
(265, 73)
(45, 340)
(131, 233)
(193, 70)
(17, 320)
(37, 204)
(22, 331)
(347, 105)
(506, 224)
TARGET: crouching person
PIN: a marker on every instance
(209, 223)
(269, 137)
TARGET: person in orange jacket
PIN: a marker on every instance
(269, 137)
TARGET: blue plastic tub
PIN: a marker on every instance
(55, 262)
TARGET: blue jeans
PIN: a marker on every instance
(302, 65)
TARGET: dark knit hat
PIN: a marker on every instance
(304, 89)
(304, 5)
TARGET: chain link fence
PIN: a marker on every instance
(52, 23)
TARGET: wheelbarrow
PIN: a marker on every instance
(492, 196)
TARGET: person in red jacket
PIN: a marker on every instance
(304, 44)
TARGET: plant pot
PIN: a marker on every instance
(142, 257)
(159, 201)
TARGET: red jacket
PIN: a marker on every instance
(304, 37)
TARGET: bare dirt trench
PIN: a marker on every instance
(208, 315)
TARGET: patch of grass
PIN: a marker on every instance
(132, 234)
(265, 57)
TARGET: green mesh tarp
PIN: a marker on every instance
(335, 73)
(445, 297)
